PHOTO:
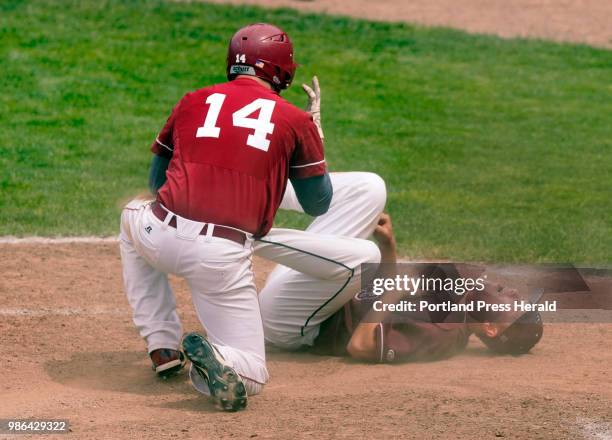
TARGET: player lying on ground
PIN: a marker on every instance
(311, 298)
(359, 331)
(220, 169)
(304, 308)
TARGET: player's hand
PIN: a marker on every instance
(383, 233)
(314, 103)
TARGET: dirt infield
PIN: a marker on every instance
(582, 21)
(70, 351)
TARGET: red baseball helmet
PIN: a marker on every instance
(262, 50)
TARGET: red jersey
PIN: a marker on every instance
(233, 147)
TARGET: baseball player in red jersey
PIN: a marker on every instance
(220, 169)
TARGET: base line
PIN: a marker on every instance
(10, 239)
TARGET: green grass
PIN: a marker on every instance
(492, 149)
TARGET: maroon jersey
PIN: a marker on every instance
(233, 147)
(414, 337)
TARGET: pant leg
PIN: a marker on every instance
(358, 200)
(300, 284)
(147, 289)
(319, 274)
(225, 298)
(219, 274)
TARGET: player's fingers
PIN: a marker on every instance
(384, 219)
(315, 86)
(309, 91)
(381, 233)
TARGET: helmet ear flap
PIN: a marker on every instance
(282, 79)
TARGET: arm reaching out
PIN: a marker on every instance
(363, 344)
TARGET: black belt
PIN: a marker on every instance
(219, 231)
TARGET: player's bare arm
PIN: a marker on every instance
(362, 344)
(383, 234)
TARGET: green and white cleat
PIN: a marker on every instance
(226, 387)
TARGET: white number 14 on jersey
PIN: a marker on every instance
(262, 126)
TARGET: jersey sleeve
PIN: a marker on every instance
(164, 144)
(308, 158)
(418, 341)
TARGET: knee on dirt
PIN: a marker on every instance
(253, 388)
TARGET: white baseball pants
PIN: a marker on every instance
(219, 275)
(319, 269)
(319, 273)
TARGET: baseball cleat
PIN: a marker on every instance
(167, 362)
(226, 387)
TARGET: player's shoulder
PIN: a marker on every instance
(291, 118)
(251, 88)
(288, 112)
(197, 96)
(291, 109)
(202, 91)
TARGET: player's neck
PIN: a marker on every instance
(256, 79)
